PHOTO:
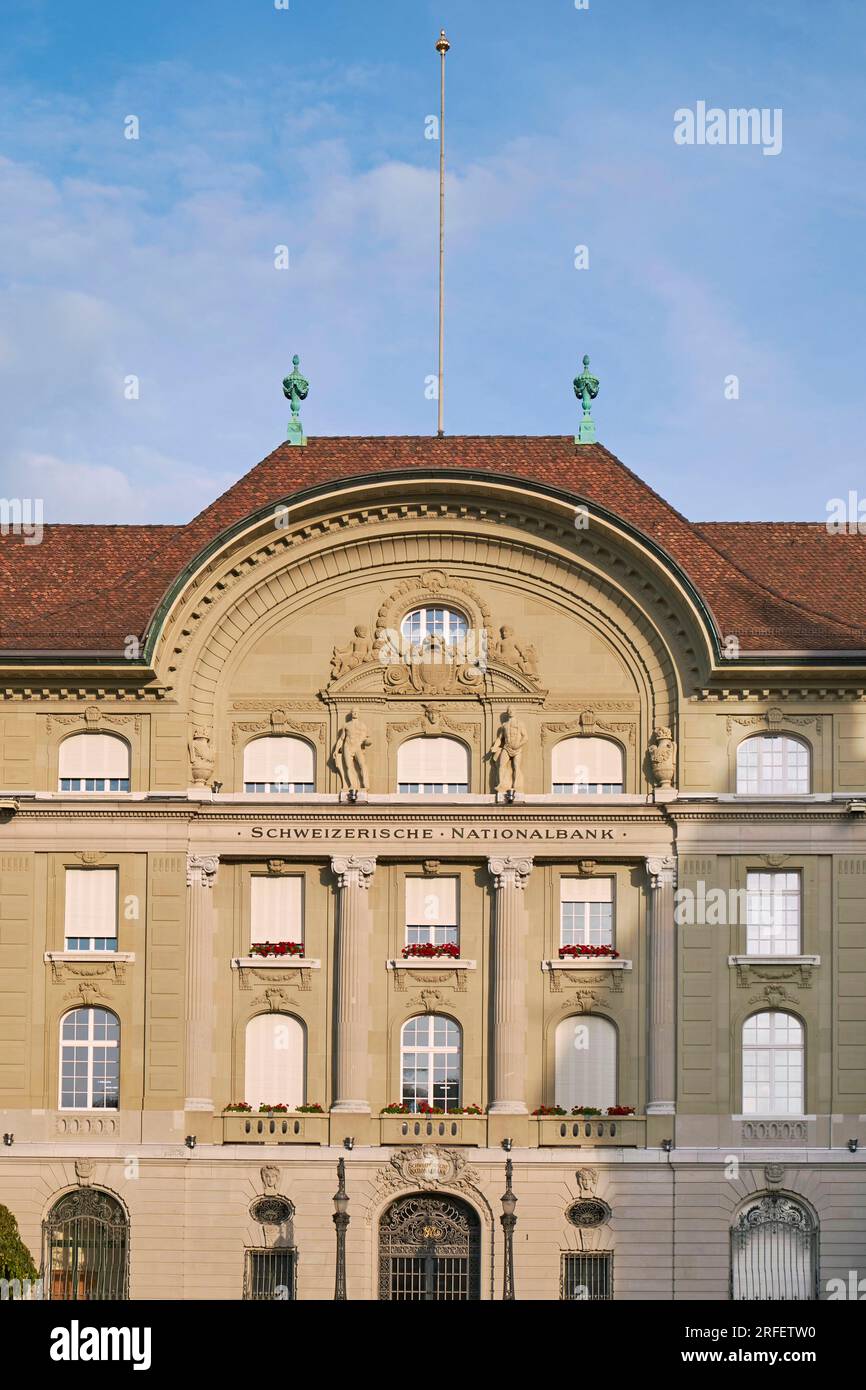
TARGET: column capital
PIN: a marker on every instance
(661, 869)
(353, 871)
(509, 873)
(201, 869)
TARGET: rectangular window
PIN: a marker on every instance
(269, 1275)
(586, 911)
(773, 914)
(587, 1277)
(431, 912)
(90, 914)
(276, 908)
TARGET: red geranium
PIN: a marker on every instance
(277, 948)
(427, 951)
(575, 952)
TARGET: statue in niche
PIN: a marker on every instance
(201, 758)
(348, 753)
(663, 757)
(358, 653)
(507, 753)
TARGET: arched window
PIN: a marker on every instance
(430, 1048)
(773, 1064)
(94, 763)
(444, 623)
(586, 1050)
(773, 765)
(275, 1062)
(279, 764)
(773, 1249)
(587, 765)
(86, 1247)
(89, 1060)
(433, 765)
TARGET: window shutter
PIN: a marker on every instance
(94, 755)
(585, 1062)
(590, 760)
(431, 902)
(276, 908)
(274, 1067)
(91, 902)
(433, 760)
(586, 890)
(278, 759)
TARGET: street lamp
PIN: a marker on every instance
(509, 1221)
(341, 1221)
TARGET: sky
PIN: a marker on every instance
(722, 305)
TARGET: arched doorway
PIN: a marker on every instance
(774, 1250)
(429, 1250)
(87, 1247)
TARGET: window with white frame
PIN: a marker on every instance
(586, 911)
(773, 765)
(430, 1048)
(94, 763)
(773, 914)
(276, 908)
(89, 1060)
(90, 910)
(431, 912)
(773, 1064)
(586, 1062)
(446, 623)
(275, 1061)
(587, 765)
(433, 765)
(279, 763)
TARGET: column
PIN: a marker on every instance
(509, 985)
(201, 872)
(354, 876)
(661, 1093)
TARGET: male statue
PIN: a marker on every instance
(507, 753)
(349, 754)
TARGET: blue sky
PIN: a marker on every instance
(262, 127)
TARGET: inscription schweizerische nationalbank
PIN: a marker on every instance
(455, 834)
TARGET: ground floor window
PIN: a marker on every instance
(587, 1276)
(429, 1251)
(86, 1247)
(773, 1251)
(269, 1275)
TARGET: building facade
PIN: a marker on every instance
(434, 805)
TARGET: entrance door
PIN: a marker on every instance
(429, 1250)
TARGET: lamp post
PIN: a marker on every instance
(341, 1221)
(509, 1221)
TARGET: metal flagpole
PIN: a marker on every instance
(442, 47)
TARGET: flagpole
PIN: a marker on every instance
(442, 47)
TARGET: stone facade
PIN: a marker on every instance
(282, 630)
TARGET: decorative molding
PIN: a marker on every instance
(433, 722)
(587, 1180)
(507, 872)
(253, 970)
(352, 871)
(201, 869)
(661, 868)
(279, 723)
(752, 971)
(773, 719)
(589, 725)
(588, 1212)
(446, 972)
(74, 965)
(84, 1169)
(427, 1166)
(270, 1176)
(92, 717)
(774, 1175)
(561, 973)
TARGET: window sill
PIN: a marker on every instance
(70, 957)
(275, 963)
(428, 963)
(587, 963)
(774, 960)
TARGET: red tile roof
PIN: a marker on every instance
(776, 586)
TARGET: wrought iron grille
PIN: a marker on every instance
(774, 1247)
(86, 1247)
(429, 1251)
(270, 1275)
(587, 1276)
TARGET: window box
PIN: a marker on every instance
(597, 1132)
(433, 1129)
(291, 1128)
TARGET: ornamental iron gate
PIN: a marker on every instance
(429, 1250)
(774, 1252)
(86, 1247)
